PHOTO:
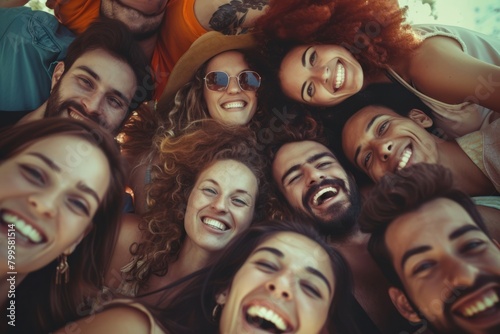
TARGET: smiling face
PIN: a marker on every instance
(50, 192)
(142, 17)
(320, 75)
(377, 140)
(221, 205)
(232, 106)
(313, 182)
(449, 268)
(98, 86)
(286, 284)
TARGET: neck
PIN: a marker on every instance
(191, 258)
(36, 114)
(467, 176)
(148, 46)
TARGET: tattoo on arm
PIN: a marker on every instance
(229, 18)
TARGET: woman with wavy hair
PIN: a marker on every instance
(60, 200)
(276, 277)
(215, 79)
(206, 188)
(327, 50)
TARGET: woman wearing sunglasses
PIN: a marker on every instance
(213, 79)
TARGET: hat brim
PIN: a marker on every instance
(205, 47)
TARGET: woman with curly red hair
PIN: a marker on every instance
(328, 50)
(206, 186)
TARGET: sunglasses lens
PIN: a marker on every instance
(249, 80)
(217, 81)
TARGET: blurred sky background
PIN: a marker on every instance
(479, 15)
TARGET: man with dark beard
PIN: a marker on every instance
(317, 189)
(431, 243)
(99, 78)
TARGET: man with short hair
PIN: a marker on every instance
(431, 243)
(100, 78)
(314, 187)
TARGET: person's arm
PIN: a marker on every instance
(441, 70)
(119, 319)
(12, 3)
(128, 234)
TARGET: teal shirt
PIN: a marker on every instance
(31, 44)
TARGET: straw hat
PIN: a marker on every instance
(205, 47)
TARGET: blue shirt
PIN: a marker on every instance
(31, 44)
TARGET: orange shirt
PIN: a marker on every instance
(179, 30)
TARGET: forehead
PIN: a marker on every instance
(295, 153)
(301, 251)
(229, 171)
(430, 224)
(227, 60)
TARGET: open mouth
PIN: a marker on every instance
(324, 194)
(266, 319)
(22, 228)
(339, 76)
(405, 157)
(76, 115)
(234, 105)
(484, 306)
(216, 224)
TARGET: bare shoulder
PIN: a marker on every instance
(118, 319)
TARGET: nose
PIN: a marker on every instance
(280, 287)
(321, 73)
(92, 103)
(44, 203)
(219, 204)
(233, 86)
(384, 149)
(461, 274)
(313, 175)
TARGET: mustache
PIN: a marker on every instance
(314, 189)
(460, 292)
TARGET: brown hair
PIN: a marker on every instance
(373, 31)
(181, 160)
(404, 192)
(38, 297)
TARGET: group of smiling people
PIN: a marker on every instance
(246, 208)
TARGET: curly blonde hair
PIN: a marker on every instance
(181, 160)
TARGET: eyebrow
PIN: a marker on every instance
(311, 270)
(358, 149)
(453, 235)
(309, 160)
(98, 78)
(302, 90)
(52, 165)
(242, 191)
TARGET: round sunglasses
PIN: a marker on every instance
(219, 80)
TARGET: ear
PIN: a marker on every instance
(72, 247)
(221, 298)
(58, 72)
(402, 305)
(419, 117)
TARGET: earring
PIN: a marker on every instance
(62, 270)
(216, 311)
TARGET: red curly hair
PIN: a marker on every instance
(372, 30)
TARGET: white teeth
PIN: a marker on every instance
(76, 116)
(322, 191)
(22, 227)
(232, 105)
(488, 301)
(267, 314)
(340, 75)
(405, 157)
(214, 223)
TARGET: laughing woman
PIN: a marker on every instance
(205, 190)
(276, 277)
(328, 50)
(60, 201)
